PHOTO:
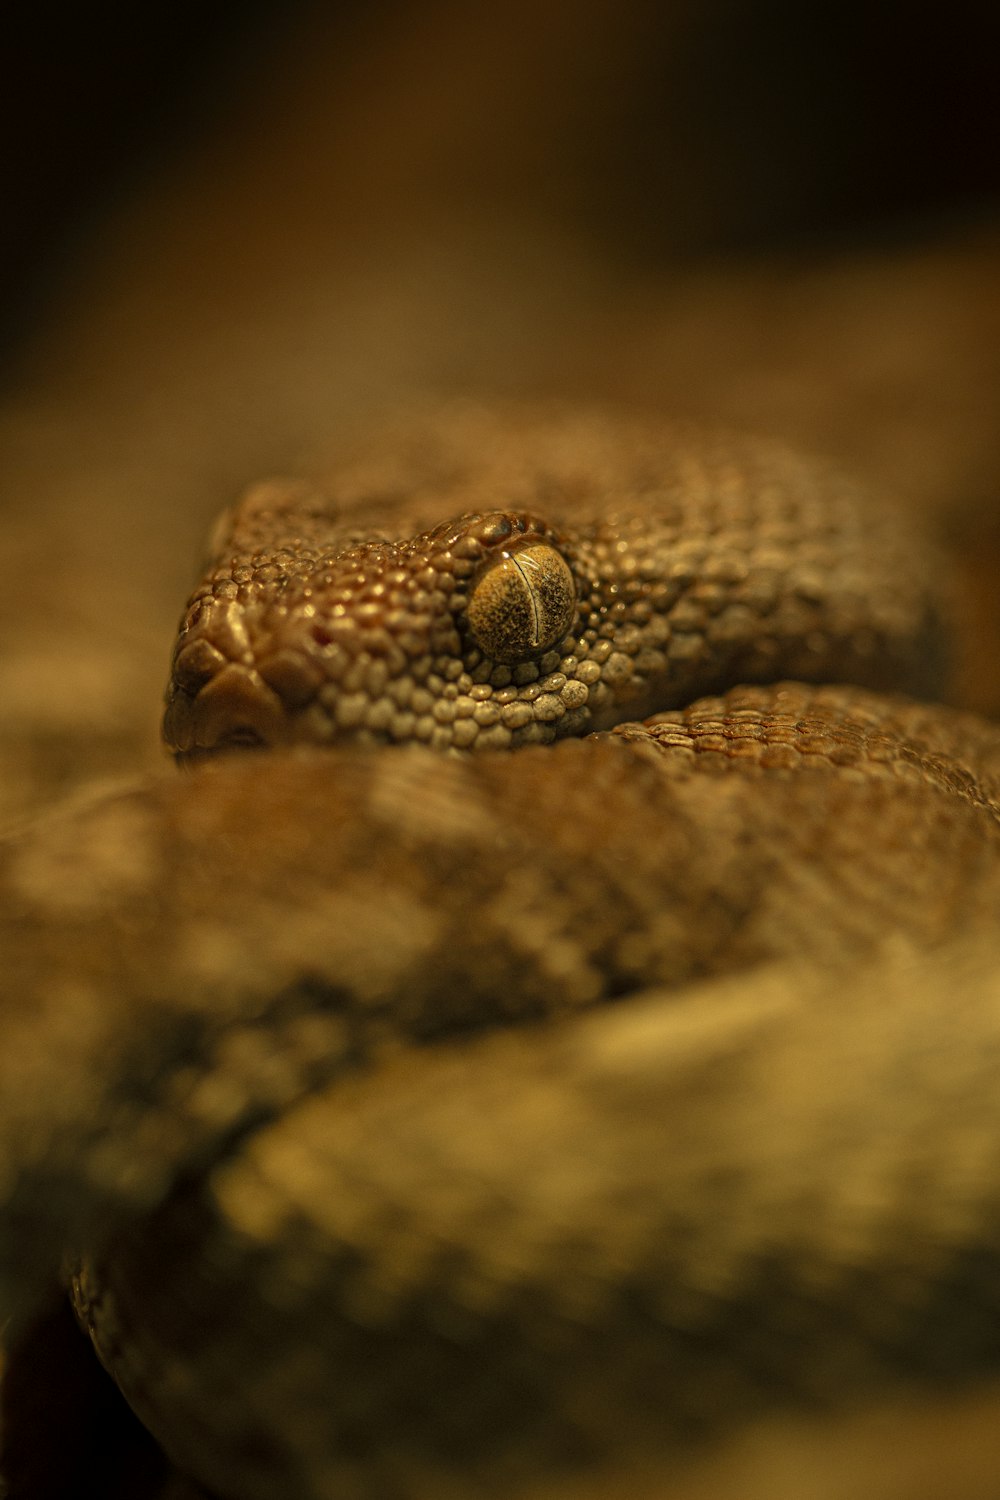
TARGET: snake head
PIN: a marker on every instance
(512, 582)
(307, 628)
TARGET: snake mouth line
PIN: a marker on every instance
(240, 713)
(324, 694)
(237, 710)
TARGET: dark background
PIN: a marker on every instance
(671, 129)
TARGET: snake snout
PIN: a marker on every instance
(218, 697)
(300, 669)
(235, 708)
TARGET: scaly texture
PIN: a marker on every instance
(306, 1059)
(359, 612)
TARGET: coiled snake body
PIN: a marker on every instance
(307, 1062)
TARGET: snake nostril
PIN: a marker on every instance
(242, 737)
(235, 709)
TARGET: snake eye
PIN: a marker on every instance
(522, 603)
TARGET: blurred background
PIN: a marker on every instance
(661, 130)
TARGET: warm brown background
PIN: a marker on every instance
(233, 234)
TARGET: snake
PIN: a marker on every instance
(550, 1021)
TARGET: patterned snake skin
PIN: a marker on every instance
(308, 1064)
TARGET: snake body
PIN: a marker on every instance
(308, 1061)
